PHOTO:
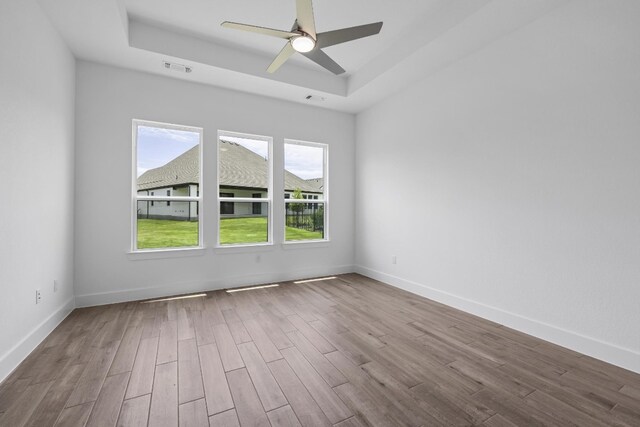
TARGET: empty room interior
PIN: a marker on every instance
(320, 213)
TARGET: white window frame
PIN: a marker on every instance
(135, 197)
(325, 191)
(268, 200)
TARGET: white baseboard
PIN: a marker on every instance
(12, 358)
(89, 300)
(611, 353)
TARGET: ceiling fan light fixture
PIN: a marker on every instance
(303, 44)
(303, 38)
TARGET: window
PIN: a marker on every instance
(166, 160)
(244, 188)
(305, 178)
(226, 208)
(257, 207)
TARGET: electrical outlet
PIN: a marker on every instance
(55, 285)
(38, 296)
(394, 260)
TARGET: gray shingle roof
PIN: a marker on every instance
(184, 169)
(318, 183)
(239, 167)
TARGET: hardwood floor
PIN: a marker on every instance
(349, 351)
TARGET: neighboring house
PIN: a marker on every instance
(318, 183)
(243, 173)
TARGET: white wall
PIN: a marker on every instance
(36, 168)
(509, 183)
(107, 100)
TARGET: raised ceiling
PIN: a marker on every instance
(419, 37)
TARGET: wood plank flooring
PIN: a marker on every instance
(348, 351)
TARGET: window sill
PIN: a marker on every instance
(243, 248)
(165, 253)
(303, 244)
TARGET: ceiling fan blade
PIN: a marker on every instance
(322, 59)
(282, 57)
(260, 30)
(304, 16)
(331, 38)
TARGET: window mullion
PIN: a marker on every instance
(243, 200)
(168, 198)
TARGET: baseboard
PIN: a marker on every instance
(610, 353)
(12, 358)
(136, 294)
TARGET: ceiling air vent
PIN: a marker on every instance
(176, 67)
(314, 98)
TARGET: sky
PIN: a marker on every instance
(304, 160)
(158, 146)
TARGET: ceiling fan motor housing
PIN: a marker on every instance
(303, 43)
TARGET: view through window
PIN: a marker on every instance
(167, 186)
(244, 180)
(167, 201)
(305, 190)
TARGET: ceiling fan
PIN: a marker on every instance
(303, 37)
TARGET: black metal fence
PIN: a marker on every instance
(309, 219)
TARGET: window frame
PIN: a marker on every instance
(268, 200)
(135, 197)
(316, 201)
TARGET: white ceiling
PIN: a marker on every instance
(203, 19)
(419, 37)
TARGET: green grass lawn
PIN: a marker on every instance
(243, 230)
(160, 233)
(292, 233)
